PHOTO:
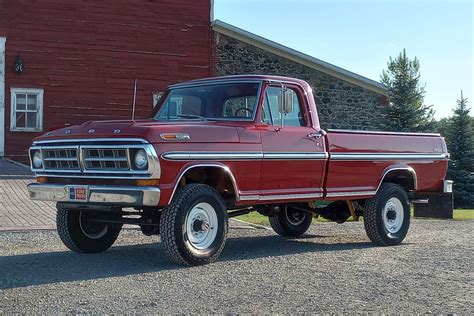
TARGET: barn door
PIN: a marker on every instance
(2, 96)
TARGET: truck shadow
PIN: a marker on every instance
(65, 266)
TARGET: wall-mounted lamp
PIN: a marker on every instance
(18, 64)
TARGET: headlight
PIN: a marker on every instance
(141, 159)
(37, 160)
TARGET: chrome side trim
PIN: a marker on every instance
(118, 195)
(243, 155)
(354, 193)
(225, 168)
(283, 155)
(409, 169)
(82, 140)
(281, 197)
(249, 198)
(382, 132)
(212, 155)
(387, 156)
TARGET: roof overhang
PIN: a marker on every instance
(299, 57)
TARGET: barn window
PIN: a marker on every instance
(26, 109)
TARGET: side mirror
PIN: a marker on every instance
(286, 101)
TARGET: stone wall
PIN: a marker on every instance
(340, 104)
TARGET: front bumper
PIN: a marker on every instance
(107, 195)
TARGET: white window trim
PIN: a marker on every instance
(39, 117)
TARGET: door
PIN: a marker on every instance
(294, 152)
(2, 96)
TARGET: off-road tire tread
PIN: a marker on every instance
(62, 228)
(276, 225)
(62, 224)
(371, 212)
(168, 223)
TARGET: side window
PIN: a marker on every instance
(271, 114)
(239, 107)
(26, 110)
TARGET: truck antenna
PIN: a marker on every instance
(134, 99)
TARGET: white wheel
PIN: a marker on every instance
(393, 215)
(387, 215)
(201, 225)
(194, 226)
(296, 217)
(290, 222)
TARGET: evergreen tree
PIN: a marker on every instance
(460, 140)
(406, 112)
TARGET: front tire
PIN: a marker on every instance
(194, 226)
(80, 233)
(290, 222)
(387, 215)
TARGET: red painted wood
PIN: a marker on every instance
(86, 55)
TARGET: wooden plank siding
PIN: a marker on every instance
(86, 54)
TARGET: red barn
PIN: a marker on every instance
(65, 62)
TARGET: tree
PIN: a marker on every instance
(406, 112)
(459, 134)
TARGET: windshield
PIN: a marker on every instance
(229, 101)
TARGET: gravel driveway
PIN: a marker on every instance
(333, 269)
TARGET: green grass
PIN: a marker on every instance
(462, 215)
(256, 218)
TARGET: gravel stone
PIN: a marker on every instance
(333, 268)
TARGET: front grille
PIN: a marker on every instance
(61, 158)
(96, 159)
(105, 159)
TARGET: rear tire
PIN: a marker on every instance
(290, 222)
(387, 215)
(194, 226)
(80, 233)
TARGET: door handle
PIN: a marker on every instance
(317, 135)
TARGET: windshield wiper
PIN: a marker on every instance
(192, 116)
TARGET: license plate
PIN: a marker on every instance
(78, 193)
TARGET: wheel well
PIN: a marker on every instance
(220, 178)
(406, 178)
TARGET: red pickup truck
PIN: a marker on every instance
(221, 147)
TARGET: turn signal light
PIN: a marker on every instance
(41, 179)
(148, 182)
(175, 136)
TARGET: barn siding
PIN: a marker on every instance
(86, 54)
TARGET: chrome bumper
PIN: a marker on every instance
(116, 195)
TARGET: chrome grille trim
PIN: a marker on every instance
(92, 160)
(110, 159)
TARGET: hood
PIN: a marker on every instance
(150, 130)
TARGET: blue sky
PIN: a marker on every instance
(361, 35)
